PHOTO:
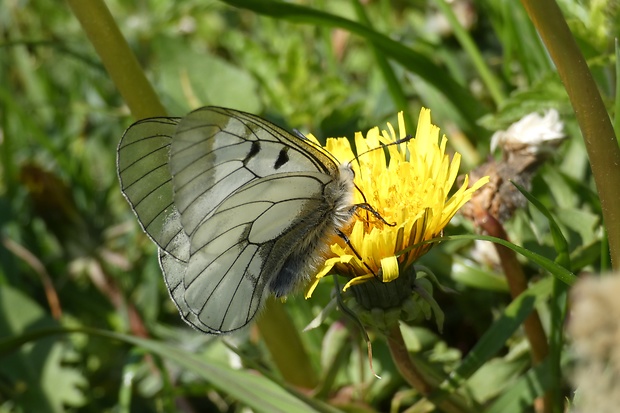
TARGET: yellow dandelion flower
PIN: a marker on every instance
(411, 190)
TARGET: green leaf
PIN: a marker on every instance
(584, 223)
(523, 391)
(471, 274)
(39, 380)
(561, 245)
(547, 93)
(496, 336)
(203, 79)
(557, 270)
(496, 376)
(253, 390)
(416, 62)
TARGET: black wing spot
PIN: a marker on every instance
(254, 150)
(282, 158)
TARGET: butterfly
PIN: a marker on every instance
(239, 209)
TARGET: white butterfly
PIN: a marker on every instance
(239, 209)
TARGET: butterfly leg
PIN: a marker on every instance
(359, 257)
(373, 211)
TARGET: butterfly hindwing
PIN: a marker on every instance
(174, 271)
(233, 257)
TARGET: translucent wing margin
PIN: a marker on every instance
(143, 170)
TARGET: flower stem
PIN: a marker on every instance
(517, 284)
(117, 57)
(411, 374)
(403, 362)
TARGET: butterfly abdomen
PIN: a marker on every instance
(307, 243)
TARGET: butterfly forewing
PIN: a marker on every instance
(217, 150)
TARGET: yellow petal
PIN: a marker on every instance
(389, 265)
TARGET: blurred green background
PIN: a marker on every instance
(72, 255)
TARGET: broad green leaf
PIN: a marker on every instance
(471, 274)
(495, 376)
(203, 79)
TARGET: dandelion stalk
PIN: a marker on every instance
(407, 369)
(517, 283)
(405, 366)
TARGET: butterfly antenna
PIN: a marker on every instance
(364, 203)
(369, 208)
(297, 133)
(385, 145)
(373, 211)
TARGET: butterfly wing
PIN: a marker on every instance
(225, 195)
(142, 164)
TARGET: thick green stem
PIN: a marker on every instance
(117, 57)
(403, 362)
(285, 346)
(590, 111)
